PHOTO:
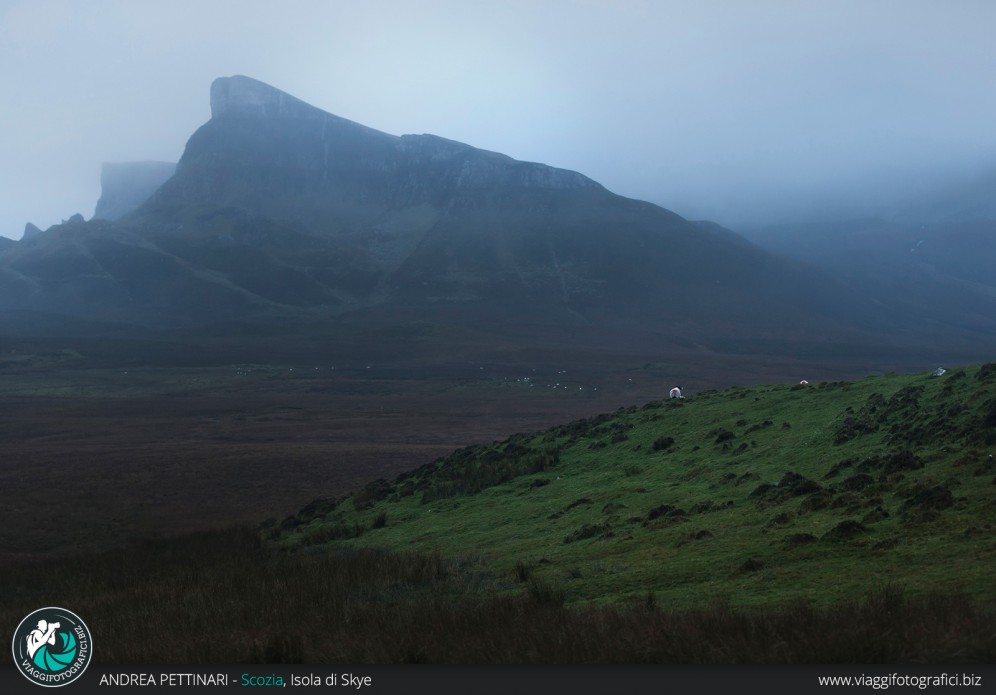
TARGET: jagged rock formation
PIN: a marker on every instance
(30, 230)
(126, 185)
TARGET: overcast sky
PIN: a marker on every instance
(739, 111)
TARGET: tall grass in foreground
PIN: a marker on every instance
(225, 597)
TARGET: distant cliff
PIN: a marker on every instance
(126, 185)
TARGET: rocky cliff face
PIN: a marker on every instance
(243, 96)
(126, 185)
(270, 152)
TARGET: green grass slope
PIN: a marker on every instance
(754, 496)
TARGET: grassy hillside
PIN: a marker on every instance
(754, 495)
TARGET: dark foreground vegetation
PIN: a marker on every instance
(226, 597)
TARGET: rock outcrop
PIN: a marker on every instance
(266, 150)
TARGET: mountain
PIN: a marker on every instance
(928, 261)
(970, 200)
(937, 275)
(126, 185)
(281, 214)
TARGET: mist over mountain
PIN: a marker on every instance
(126, 185)
(279, 212)
(929, 260)
(969, 200)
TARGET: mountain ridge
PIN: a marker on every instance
(280, 211)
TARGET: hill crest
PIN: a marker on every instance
(756, 494)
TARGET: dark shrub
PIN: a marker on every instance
(857, 482)
(589, 531)
(986, 372)
(662, 443)
(761, 491)
(546, 595)
(723, 436)
(751, 565)
(664, 510)
(875, 515)
(799, 539)
(317, 508)
(845, 531)
(936, 498)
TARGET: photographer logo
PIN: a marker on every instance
(52, 647)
